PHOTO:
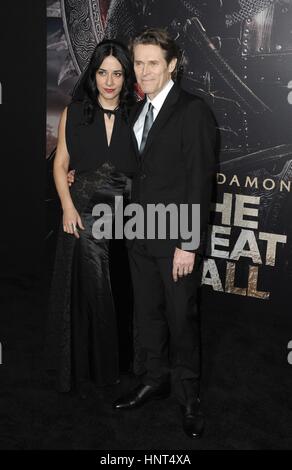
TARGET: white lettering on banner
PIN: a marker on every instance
(254, 182)
(261, 248)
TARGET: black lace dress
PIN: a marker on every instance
(82, 337)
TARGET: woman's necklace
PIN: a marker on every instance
(108, 112)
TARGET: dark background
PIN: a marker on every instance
(22, 118)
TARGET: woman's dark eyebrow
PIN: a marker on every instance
(105, 70)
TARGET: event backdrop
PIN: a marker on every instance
(237, 56)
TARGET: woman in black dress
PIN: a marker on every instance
(94, 140)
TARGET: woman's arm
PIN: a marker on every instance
(71, 217)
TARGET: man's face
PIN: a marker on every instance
(151, 69)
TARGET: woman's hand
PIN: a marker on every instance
(71, 219)
(71, 177)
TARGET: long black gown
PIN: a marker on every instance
(83, 341)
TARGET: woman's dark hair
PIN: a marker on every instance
(86, 90)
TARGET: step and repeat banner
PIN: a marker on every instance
(237, 56)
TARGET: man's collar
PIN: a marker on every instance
(159, 99)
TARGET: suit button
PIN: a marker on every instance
(142, 177)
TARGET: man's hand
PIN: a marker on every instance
(70, 177)
(183, 263)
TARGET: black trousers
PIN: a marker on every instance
(167, 319)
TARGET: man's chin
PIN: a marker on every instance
(146, 86)
(147, 91)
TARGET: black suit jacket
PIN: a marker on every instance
(178, 163)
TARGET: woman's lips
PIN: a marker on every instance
(109, 90)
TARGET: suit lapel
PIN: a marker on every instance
(162, 117)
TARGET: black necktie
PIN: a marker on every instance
(149, 118)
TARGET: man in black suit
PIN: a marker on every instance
(174, 134)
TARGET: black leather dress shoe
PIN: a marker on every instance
(140, 395)
(193, 419)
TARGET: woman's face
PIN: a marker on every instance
(109, 79)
